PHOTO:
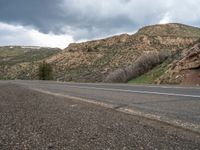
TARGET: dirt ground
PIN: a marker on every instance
(191, 77)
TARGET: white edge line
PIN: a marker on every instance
(117, 84)
(131, 111)
(133, 85)
(133, 91)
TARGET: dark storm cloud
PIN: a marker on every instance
(88, 19)
(91, 18)
(42, 14)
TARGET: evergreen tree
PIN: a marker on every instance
(45, 71)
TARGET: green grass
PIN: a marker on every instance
(20, 55)
(152, 75)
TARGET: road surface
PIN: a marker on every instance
(97, 115)
(173, 104)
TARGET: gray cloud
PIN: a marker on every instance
(20, 35)
(89, 19)
(42, 14)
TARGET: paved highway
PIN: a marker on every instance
(176, 105)
(54, 115)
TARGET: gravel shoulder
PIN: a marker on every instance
(32, 120)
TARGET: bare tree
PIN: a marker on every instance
(142, 65)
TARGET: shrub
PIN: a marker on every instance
(45, 71)
(142, 65)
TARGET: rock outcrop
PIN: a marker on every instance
(185, 69)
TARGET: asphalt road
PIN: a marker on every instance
(34, 116)
(176, 105)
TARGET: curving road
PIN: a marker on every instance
(176, 105)
(54, 115)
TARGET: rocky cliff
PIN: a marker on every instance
(185, 69)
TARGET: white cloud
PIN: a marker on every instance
(185, 11)
(94, 19)
(138, 11)
(166, 19)
(23, 35)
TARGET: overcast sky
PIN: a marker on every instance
(56, 23)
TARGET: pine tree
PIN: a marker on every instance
(45, 71)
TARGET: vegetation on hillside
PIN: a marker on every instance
(93, 61)
(21, 62)
(11, 55)
(45, 71)
(172, 29)
(151, 76)
(142, 65)
(185, 68)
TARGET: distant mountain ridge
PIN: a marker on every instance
(14, 59)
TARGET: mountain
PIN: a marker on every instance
(93, 61)
(13, 59)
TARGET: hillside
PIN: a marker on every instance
(185, 69)
(172, 29)
(93, 61)
(14, 58)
